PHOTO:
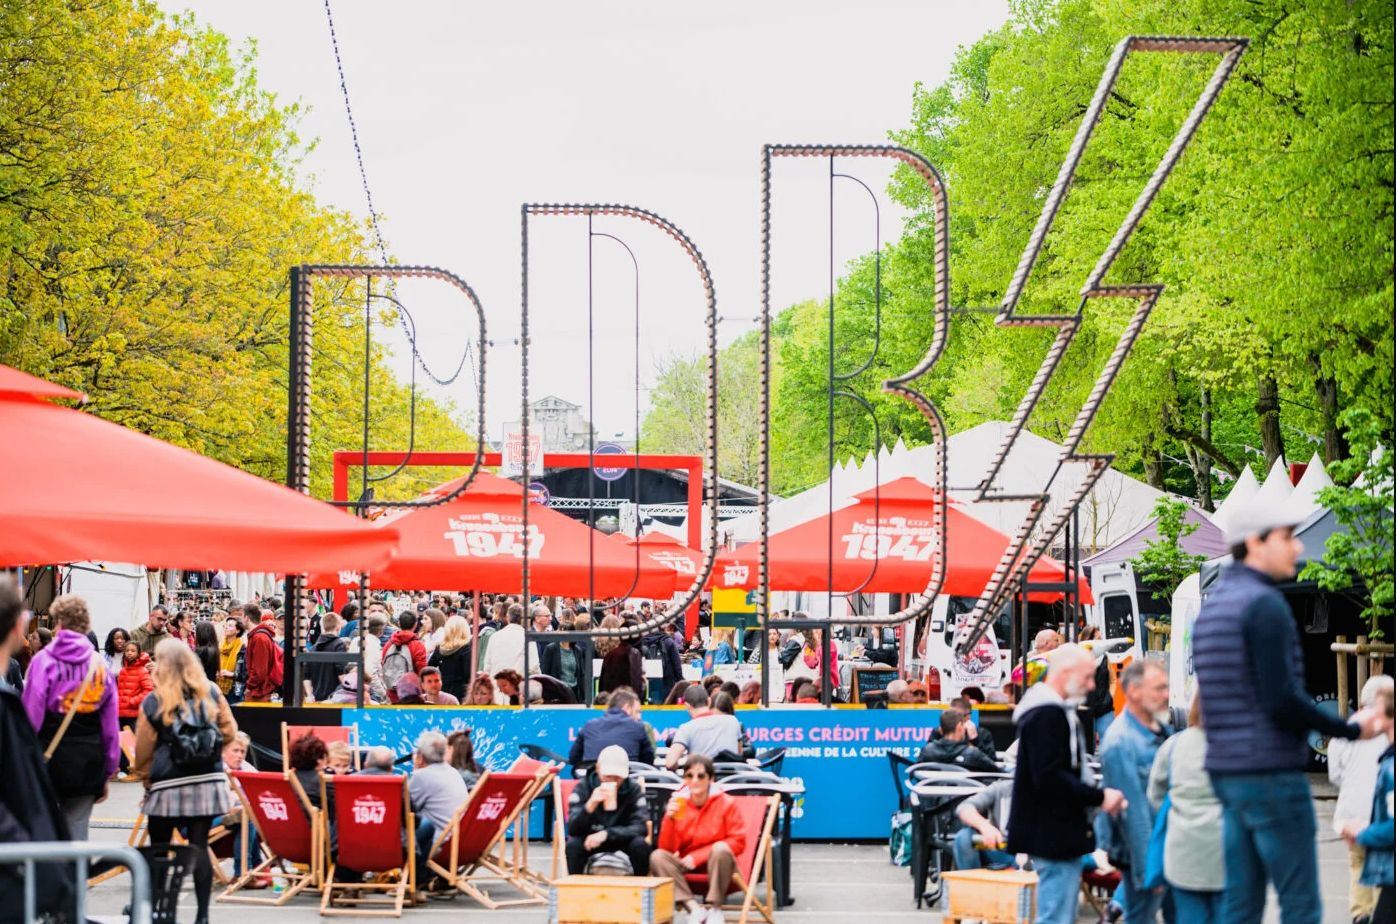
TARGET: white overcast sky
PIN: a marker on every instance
(467, 110)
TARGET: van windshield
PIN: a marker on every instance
(1119, 616)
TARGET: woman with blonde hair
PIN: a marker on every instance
(454, 656)
(183, 727)
(720, 644)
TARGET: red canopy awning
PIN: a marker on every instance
(16, 384)
(476, 542)
(78, 487)
(882, 549)
(665, 550)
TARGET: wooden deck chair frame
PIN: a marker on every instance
(302, 876)
(352, 734)
(140, 833)
(402, 892)
(764, 856)
(519, 842)
(560, 800)
(490, 867)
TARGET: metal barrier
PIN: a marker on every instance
(28, 854)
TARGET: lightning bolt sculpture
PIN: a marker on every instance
(1029, 543)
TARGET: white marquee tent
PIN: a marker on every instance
(1115, 507)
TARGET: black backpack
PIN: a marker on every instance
(194, 741)
(653, 650)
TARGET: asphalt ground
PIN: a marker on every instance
(830, 883)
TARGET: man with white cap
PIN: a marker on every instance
(606, 820)
(1257, 715)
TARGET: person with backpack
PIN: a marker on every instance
(405, 654)
(660, 646)
(264, 664)
(71, 700)
(184, 725)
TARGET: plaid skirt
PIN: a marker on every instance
(189, 797)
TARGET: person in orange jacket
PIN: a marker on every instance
(702, 833)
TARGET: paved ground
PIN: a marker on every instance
(830, 883)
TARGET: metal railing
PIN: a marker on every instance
(29, 854)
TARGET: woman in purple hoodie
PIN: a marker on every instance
(90, 749)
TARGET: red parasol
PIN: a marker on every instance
(881, 549)
(476, 541)
(16, 384)
(78, 487)
(665, 550)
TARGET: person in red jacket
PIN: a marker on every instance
(404, 654)
(132, 685)
(702, 832)
(264, 669)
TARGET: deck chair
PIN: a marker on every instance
(472, 848)
(562, 798)
(349, 734)
(371, 815)
(758, 820)
(292, 832)
(532, 765)
(220, 847)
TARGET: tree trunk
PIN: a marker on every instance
(1153, 467)
(1201, 462)
(1335, 447)
(1267, 409)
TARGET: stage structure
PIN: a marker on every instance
(1024, 550)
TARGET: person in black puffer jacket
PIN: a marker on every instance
(185, 787)
(607, 815)
(29, 809)
(953, 746)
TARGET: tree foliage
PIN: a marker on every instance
(150, 208)
(1164, 563)
(1363, 549)
(1273, 237)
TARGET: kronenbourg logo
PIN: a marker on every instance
(493, 807)
(735, 574)
(369, 810)
(273, 807)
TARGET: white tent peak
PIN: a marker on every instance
(1276, 489)
(1303, 500)
(1242, 493)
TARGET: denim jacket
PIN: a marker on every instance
(1126, 757)
(1378, 837)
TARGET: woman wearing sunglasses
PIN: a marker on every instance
(702, 832)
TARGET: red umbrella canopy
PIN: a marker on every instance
(16, 384)
(477, 541)
(669, 552)
(882, 547)
(78, 487)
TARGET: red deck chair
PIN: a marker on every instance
(472, 848)
(371, 814)
(758, 819)
(349, 734)
(291, 829)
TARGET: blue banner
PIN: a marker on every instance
(839, 754)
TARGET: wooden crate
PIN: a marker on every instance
(611, 900)
(1002, 896)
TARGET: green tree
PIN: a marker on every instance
(150, 207)
(1362, 501)
(1164, 562)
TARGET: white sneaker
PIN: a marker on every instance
(714, 916)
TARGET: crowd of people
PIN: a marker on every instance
(1199, 822)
